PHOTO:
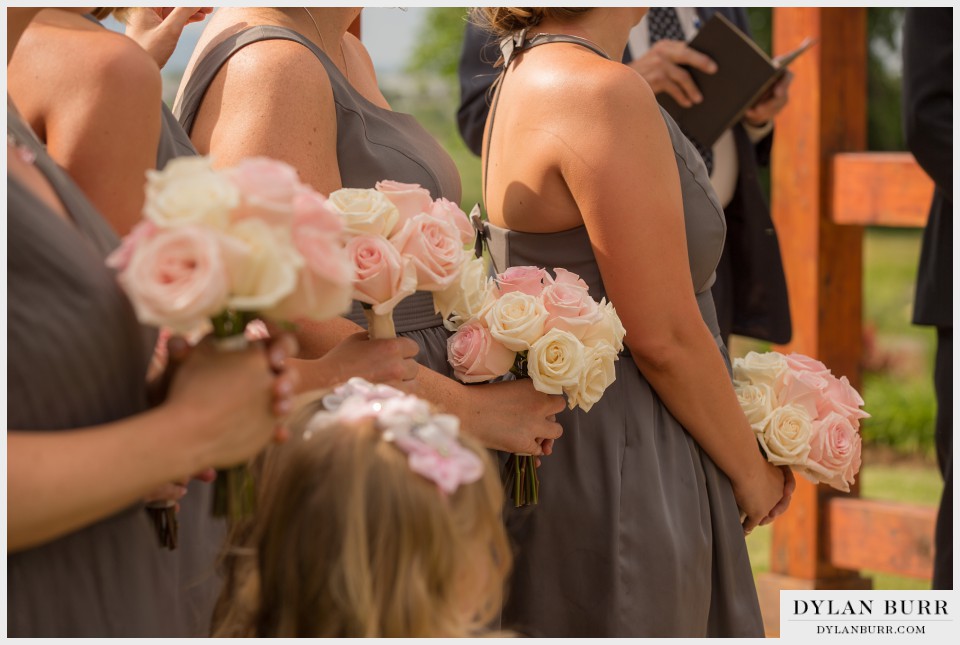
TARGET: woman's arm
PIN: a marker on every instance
(61, 481)
(625, 183)
(272, 99)
(94, 97)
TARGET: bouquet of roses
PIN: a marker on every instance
(220, 248)
(803, 415)
(400, 240)
(547, 329)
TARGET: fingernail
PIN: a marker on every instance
(697, 98)
(285, 387)
(284, 405)
(277, 357)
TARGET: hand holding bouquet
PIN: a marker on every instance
(543, 328)
(400, 241)
(220, 248)
(803, 415)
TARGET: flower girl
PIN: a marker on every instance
(376, 520)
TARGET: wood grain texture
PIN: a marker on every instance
(881, 536)
(880, 189)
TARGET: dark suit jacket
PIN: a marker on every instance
(750, 291)
(928, 127)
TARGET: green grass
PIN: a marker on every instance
(908, 483)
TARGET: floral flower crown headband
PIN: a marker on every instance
(429, 440)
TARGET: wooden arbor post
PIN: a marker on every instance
(823, 261)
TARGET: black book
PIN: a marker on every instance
(744, 74)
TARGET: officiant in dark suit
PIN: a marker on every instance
(750, 291)
(928, 127)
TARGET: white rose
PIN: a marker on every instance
(464, 299)
(189, 191)
(263, 268)
(756, 369)
(785, 435)
(516, 319)
(757, 402)
(608, 329)
(555, 361)
(365, 211)
(598, 373)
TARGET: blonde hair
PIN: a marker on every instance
(506, 20)
(349, 542)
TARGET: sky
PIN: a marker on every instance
(388, 33)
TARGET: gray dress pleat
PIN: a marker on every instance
(78, 357)
(637, 533)
(373, 143)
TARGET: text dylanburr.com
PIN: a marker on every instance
(832, 615)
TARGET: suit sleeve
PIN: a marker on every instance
(477, 73)
(738, 16)
(928, 92)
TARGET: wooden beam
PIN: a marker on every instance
(881, 536)
(880, 189)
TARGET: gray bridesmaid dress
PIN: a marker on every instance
(637, 533)
(373, 143)
(78, 357)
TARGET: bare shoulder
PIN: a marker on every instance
(277, 66)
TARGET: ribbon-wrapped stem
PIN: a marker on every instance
(234, 496)
(523, 483)
(164, 517)
(379, 325)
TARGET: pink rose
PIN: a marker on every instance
(476, 356)
(122, 255)
(410, 199)
(383, 277)
(568, 277)
(434, 248)
(177, 279)
(570, 308)
(310, 210)
(801, 388)
(842, 398)
(267, 189)
(834, 456)
(528, 280)
(801, 363)
(446, 210)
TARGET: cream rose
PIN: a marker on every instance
(757, 402)
(466, 297)
(555, 361)
(383, 277)
(177, 279)
(189, 191)
(365, 211)
(516, 320)
(410, 199)
(757, 368)
(262, 266)
(598, 373)
(835, 451)
(434, 248)
(475, 356)
(607, 329)
(786, 435)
